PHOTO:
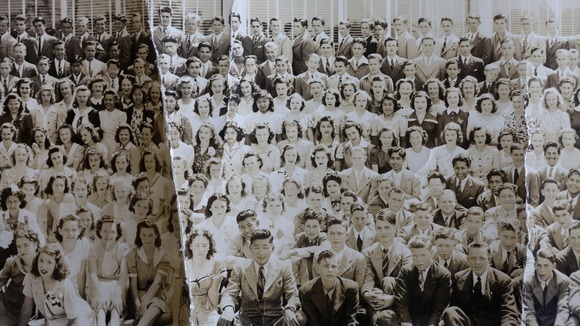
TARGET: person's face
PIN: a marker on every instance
(544, 268)
(507, 49)
(421, 102)
(518, 156)
(3, 26)
(452, 70)
(298, 28)
(314, 201)
(317, 26)
(142, 53)
(499, 25)
(478, 260)
(46, 264)
(461, 170)
(282, 89)
(28, 190)
(165, 19)
(550, 191)
(552, 156)
(261, 250)
(537, 58)
(56, 158)
(275, 27)
(203, 108)
(25, 248)
(186, 88)
(316, 90)
(551, 29)
(507, 198)
(313, 63)
(230, 135)
(384, 187)
(358, 50)
(262, 135)
(385, 231)
(80, 190)
(19, 53)
(147, 135)
(86, 136)
(139, 68)
(39, 28)
(333, 189)
(170, 103)
(251, 164)
(217, 26)
(247, 227)
(566, 90)
(218, 208)
(198, 188)
(5, 69)
(143, 188)
(405, 89)
(118, 25)
(399, 26)
(348, 91)
(446, 27)
(124, 136)
(453, 98)
(90, 51)
(94, 161)
(58, 51)
(428, 47)
(291, 189)
(395, 201)
(246, 88)
(424, 28)
(573, 183)
(24, 89)
(450, 136)
(13, 105)
(58, 186)
(379, 31)
(447, 203)
(274, 207)
(238, 50)
(204, 54)
(256, 28)
(562, 61)
(336, 235)
(45, 97)
(290, 156)
(345, 203)
(465, 48)
(223, 67)
(493, 183)
(200, 247)
(573, 59)
(147, 236)
(234, 23)
(358, 159)
(416, 139)
(100, 26)
(386, 138)
(20, 26)
(326, 50)
(479, 137)
(491, 75)
(321, 159)
(21, 155)
(343, 30)
(263, 104)
(564, 218)
(170, 48)
(391, 48)
(328, 268)
(508, 239)
(445, 247)
(12, 203)
(109, 102)
(396, 161)
(422, 258)
(423, 220)
(473, 224)
(70, 230)
(435, 187)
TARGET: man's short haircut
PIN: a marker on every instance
(246, 214)
(420, 241)
(261, 234)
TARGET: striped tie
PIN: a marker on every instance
(385, 262)
(261, 283)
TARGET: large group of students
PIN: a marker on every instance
(288, 179)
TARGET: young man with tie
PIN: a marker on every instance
(329, 299)
(59, 67)
(259, 286)
(422, 290)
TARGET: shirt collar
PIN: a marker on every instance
(257, 268)
(483, 279)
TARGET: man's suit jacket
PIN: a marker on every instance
(543, 215)
(451, 47)
(258, 47)
(366, 83)
(410, 182)
(11, 83)
(334, 80)
(496, 46)
(422, 307)
(564, 195)
(28, 70)
(550, 308)
(396, 73)
(485, 88)
(555, 239)
(481, 47)
(47, 45)
(472, 189)
(344, 47)
(284, 45)
(529, 42)
(158, 36)
(82, 79)
(457, 262)
(351, 266)
(496, 214)
(53, 70)
(301, 83)
(511, 73)
(407, 46)
(125, 43)
(188, 51)
(246, 42)
(105, 40)
(143, 38)
(97, 68)
(399, 257)
(368, 238)
(487, 200)
(559, 43)
(434, 70)
(48, 80)
(531, 192)
(553, 78)
(408, 232)
(371, 45)
(73, 48)
(220, 46)
(318, 311)
(496, 307)
(280, 286)
(7, 43)
(560, 175)
(302, 47)
(456, 220)
(516, 261)
(269, 87)
(262, 73)
(237, 252)
(364, 187)
(361, 70)
(574, 297)
(474, 67)
(567, 262)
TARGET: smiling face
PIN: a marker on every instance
(46, 265)
(478, 260)
(70, 230)
(200, 247)
(262, 250)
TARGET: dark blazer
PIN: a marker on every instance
(144, 38)
(517, 260)
(246, 42)
(399, 257)
(220, 47)
(472, 189)
(455, 222)
(551, 309)
(258, 47)
(147, 116)
(484, 88)
(481, 47)
(422, 307)
(566, 261)
(543, 215)
(560, 175)
(341, 311)
(531, 192)
(475, 68)
(559, 43)
(371, 45)
(396, 72)
(344, 47)
(53, 70)
(28, 70)
(23, 126)
(496, 46)
(302, 47)
(496, 307)
(444, 118)
(125, 45)
(351, 266)
(564, 195)
(457, 262)
(93, 118)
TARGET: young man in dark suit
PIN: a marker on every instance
(572, 192)
(446, 255)
(466, 187)
(423, 290)
(237, 34)
(259, 286)
(392, 63)
(258, 38)
(481, 295)
(480, 44)
(329, 299)
(59, 67)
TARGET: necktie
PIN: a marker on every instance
(446, 265)
(422, 280)
(507, 68)
(340, 80)
(189, 41)
(444, 44)
(18, 39)
(516, 175)
(90, 70)
(355, 65)
(255, 39)
(79, 122)
(458, 189)
(551, 174)
(464, 61)
(60, 69)
(544, 291)
(171, 65)
(5, 84)
(39, 46)
(469, 240)
(43, 79)
(477, 288)
(163, 80)
(261, 283)
(327, 66)
(506, 263)
(359, 243)
(203, 69)
(164, 31)
(392, 63)
(385, 262)
(536, 71)
(20, 71)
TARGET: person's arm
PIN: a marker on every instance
(402, 287)
(441, 298)
(26, 311)
(509, 314)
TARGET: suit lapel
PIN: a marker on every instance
(393, 259)
(346, 262)
(272, 275)
(377, 260)
(252, 278)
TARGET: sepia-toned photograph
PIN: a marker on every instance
(302, 162)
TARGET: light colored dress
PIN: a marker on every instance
(203, 313)
(440, 160)
(109, 123)
(109, 265)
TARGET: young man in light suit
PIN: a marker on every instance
(345, 40)
(422, 224)
(359, 178)
(449, 41)
(359, 236)
(259, 286)
(164, 29)
(402, 178)
(406, 41)
(329, 299)
(428, 64)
